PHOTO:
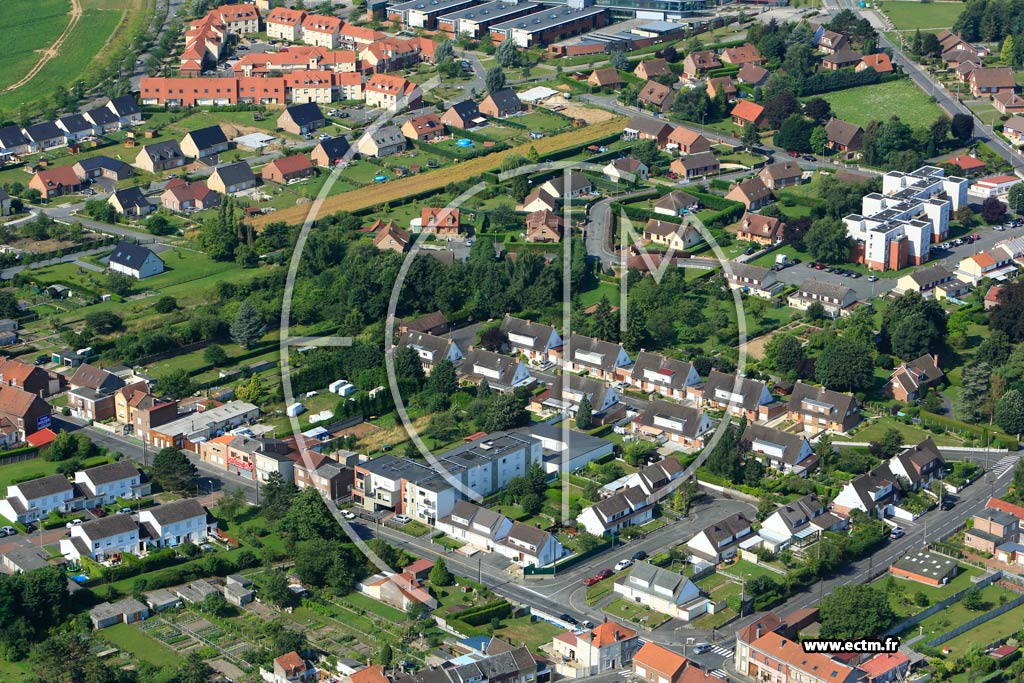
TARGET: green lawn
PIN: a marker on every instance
(910, 16)
(906, 589)
(606, 289)
(987, 633)
(911, 433)
(543, 121)
(636, 614)
(32, 469)
(31, 25)
(379, 608)
(131, 638)
(742, 569)
(527, 631)
(877, 102)
(956, 614)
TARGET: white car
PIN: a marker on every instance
(402, 519)
(347, 515)
(74, 522)
(623, 564)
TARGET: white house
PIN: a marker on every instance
(683, 425)
(605, 648)
(719, 541)
(533, 340)
(102, 538)
(794, 523)
(30, 500)
(430, 348)
(597, 357)
(663, 591)
(527, 545)
(503, 373)
(135, 260)
(653, 372)
(104, 484)
(474, 525)
(784, 451)
(874, 493)
(919, 465)
(628, 507)
(177, 522)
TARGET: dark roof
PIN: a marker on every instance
(109, 526)
(684, 419)
(649, 126)
(128, 197)
(335, 148)
(625, 502)
(505, 99)
(11, 136)
(130, 254)
(47, 130)
(466, 109)
(841, 132)
(674, 372)
(75, 123)
(176, 511)
(107, 163)
(839, 404)
(44, 486)
(210, 136)
(237, 172)
(125, 105)
(731, 526)
(791, 443)
(749, 389)
(115, 471)
(305, 114)
(102, 116)
(168, 149)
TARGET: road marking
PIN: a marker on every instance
(722, 651)
(1004, 465)
(719, 673)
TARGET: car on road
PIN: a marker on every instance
(604, 574)
(640, 555)
(795, 155)
(569, 619)
(8, 531)
(872, 278)
(701, 648)
(623, 564)
(74, 522)
(591, 580)
(947, 504)
(347, 515)
(402, 519)
(42, 360)
(897, 532)
(587, 623)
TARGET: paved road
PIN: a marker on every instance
(8, 273)
(67, 213)
(599, 225)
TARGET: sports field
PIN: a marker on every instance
(932, 16)
(876, 102)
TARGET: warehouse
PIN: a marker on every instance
(550, 25)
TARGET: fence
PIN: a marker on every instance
(568, 562)
(977, 621)
(911, 622)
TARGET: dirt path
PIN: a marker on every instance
(52, 51)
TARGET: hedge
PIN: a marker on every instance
(484, 614)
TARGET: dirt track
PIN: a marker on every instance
(373, 195)
(52, 51)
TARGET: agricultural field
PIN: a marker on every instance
(931, 16)
(30, 26)
(871, 102)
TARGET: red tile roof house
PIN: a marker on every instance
(1008, 103)
(688, 141)
(605, 78)
(288, 169)
(441, 222)
(652, 68)
(699, 62)
(180, 195)
(655, 664)
(426, 128)
(966, 162)
(26, 413)
(765, 230)
(746, 112)
(992, 81)
(56, 182)
(723, 84)
(752, 193)
(291, 668)
(910, 380)
(744, 54)
(879, 62)
(656, 96)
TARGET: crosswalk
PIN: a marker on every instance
(724, 651)
(719, 673)
(1004, 464)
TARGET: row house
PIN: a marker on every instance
(104, 484)
(503, 373)
(494, 532)
(430, 349)
(605, 648)
(601, 359)
(392, 93)
(161, 526)
(92, 393)
(752, 280)
(773, 658)
(254, 458)
(30, 378)
(783, 451)
(739, 396)
(35, 499)
(664, 421)
(297, 58)
(322, 31)
(628, 507)
(536, 341)
(655, 664)
(567, 391)
(817, 409)
(835, 299)
(669, 377)
(285, 24)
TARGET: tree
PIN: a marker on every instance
(165, 304)
(647, 152)
(825, 451)
(1010, 412)
(444, 51)
(176, 383)
(158, 224)
(119, 283)
(974, 391)
(962, 127)
(585, 414)
(309, 519)
(1015, 199)
(505, 412)
(993, 211)
(494, 79)
(443, 380)
(276, 496)
(247, 328)
(855, 611)
(912, 336)
(819, 141)
(408, 370)
(531, 503)
(275, 588)
(844, 365)
(818, 109)
(172, 470)
(751, 138)
(795, 134)
(1006, 52)
(778, 106)
(386, 655)
(618, 60)
(785, 353)
(973, 601)
(506, 54)
(828, 241)
(439, 574)
(232, 503)
(891, 443)
(215, 355)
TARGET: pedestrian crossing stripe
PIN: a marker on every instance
(718, 673)
(1004, 464)
(722, 651)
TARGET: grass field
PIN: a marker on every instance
(932, 16)
(30, 25)
(31, 469)
(987, 633)
(875, 102)
(131, 639)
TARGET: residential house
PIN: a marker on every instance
(544, 227)
(656, 96)
(911, 380)
(880, 62)
(130, 202)
(205, 142)
(463, 115)
(773, 654)
(1008, 103)
(474, 525)
(161, 156)
(76, 127)
(604, 648)
(8, 332)
(791, 524)
(285, 24)
(753, 280)
(5, 203)
(572, 184)
(699, 62)
(673, 236)
(180, 521)
(968, 163)
(1013, 129)
(135, 261)
(642, 127)
(747, 113)
(752, 193)
(35, 499)
(874, 493)
(104, 484)
(720, 540)
(425, 128)
(92, 393)
(928, 282)
(568, 390)
(655, 373)
(994, 186)
(232, 178)
(776, 449)
(663, 591)
(888, 667)
(13, 141)
(291, 668)
(676, 423)
(30, 378)
(918, 466)
(443, 222)
(649, 69)
(831, 42)
(842, 59)
(103, 538)
(332, 478)
(301, 119)
(655, 664)
(818, 409)
(44, 136)
(179, 195)
(695, 165)
(56, 182)
(328, 153)
(393, 238)
(687, 141)
(400, 590)
(739, 396)
(392, 93)
(599, 358)
(22, 413)
(126, 611)
(503, 373)
(138, 411)
(500, 104)
(534, 340)
(102, 167)
(991, 529)
(630, 169)
(782, 174)
(321, 31)
(753, 75)
(842, 136)
(763, 230)
(527, 546)
(992, 81)
(607, 77)
(835, 299)
(288, 169)
(628, 507)
(676, 203)
(743, 54)
(430, 349)
(382, 142)
(723, 85)
(995, 264)
(539, 200)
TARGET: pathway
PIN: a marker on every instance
(54, 50)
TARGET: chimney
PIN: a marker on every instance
(616, 634)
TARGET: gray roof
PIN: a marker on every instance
(839, 403)
(744, 271)
(932, 275)
(504, 366)
(47, 130)
(125, 105)
(656, 577)
(699, 160)
(111, 525)
(841, 132)
(539, 332)
(164, 151)
(335, 148)
(731, 526)
(238, 172)
(44, 486)
(176, 511)
(688, 416)
(791, 443)
(673, 369)
(11, 136)
(107, 163)
(129, 254)
(506, 100)
(210, 136)
(649, 126)
(129, 197)
(305, 114)
(111, 472)
(26, 559)
(627, 501)
(676, 201)
(749, 389)
(102, 116)
(474, 514)
(437, 346)
(594, 389)
(608, 351)
(528, 535)
(826, 289)
(75, 123)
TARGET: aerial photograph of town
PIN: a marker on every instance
(512, 341)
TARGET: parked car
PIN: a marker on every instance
(623, 564)
(808, 157)
(42, 360)
(402, 519)
(8, 531)
(872, 278)
(124, 511)
(74, 522)
(30, 528)
(347, 515)
(795, 155)
(947, 504)
(748, 251)
(897, 532)
(587, 623)
(569, 619)
(591, 580)
(640, 555)
(604, 574)
(99, 512)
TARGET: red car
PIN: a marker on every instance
(604, 574)
(590, 580)
(795, 155)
